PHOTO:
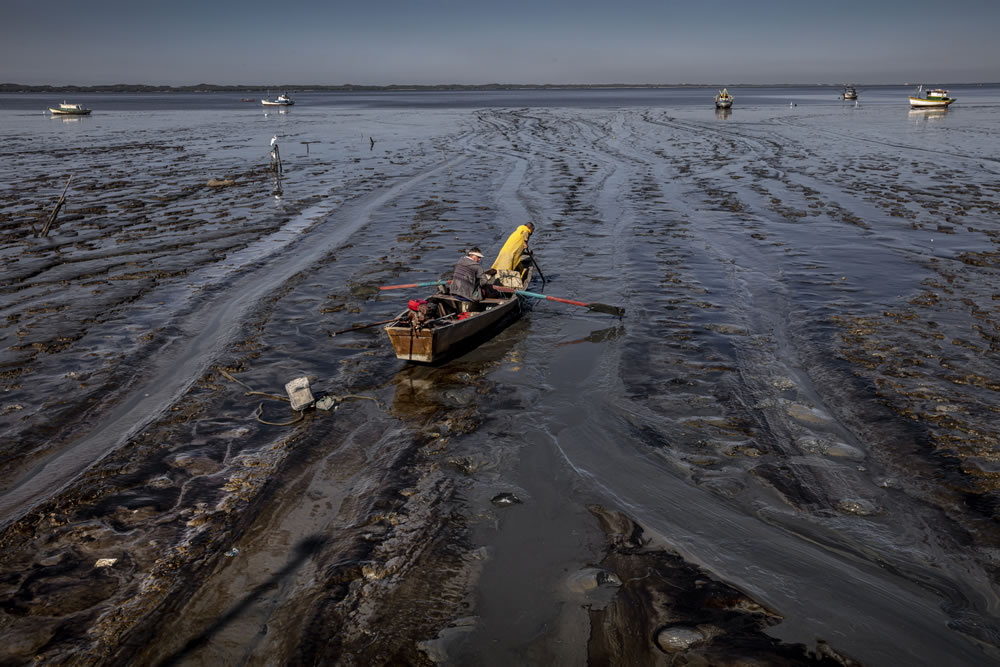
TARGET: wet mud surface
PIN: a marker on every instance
(786, 453)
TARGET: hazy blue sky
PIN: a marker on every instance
(380, 42)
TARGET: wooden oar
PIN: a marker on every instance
(538, 268)
(363, 326)
(596, 307)
(427, 284)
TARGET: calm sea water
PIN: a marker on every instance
(583, 98)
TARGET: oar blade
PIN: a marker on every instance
(605, 308)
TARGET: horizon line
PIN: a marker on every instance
(21, 87)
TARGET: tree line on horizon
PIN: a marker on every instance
(214, 88)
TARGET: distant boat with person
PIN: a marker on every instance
(936, 98)
(66, 109)
(850, 93)
(282, 100)
(723, 100)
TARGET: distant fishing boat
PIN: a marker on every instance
(282, 100)
(723, 100)
(850, 93)
(66, 109)
(933, 99)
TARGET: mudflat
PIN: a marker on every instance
(783, 454)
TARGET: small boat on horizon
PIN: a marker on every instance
(66, 109)
(282, 100)
(723, 100)
(850, 93)
(936, 98)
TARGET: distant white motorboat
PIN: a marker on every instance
(933, 99)
(850, 93)
(282, 100)
(723, 100)
(66, 109)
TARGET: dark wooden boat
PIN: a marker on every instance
(445, 330)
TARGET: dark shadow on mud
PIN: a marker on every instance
(302, 552)
(669, 611)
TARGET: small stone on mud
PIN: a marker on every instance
(105, 562)
(466, 465)
(678, 638)
(326, 403)
(857, 507)
(743, 450)
(591, 578)
(461, 397)
(605, 578)
(783, 383)
(505, 499)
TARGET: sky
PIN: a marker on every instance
(384, 42)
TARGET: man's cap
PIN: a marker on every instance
(475, 253)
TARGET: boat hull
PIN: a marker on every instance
(69, 112)
(429, 346)
(723, 104)
(923, 102)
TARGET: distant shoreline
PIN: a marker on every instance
(348, 88)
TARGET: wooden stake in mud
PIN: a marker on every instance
(55, 211)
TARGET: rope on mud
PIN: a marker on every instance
(226, 375)
(267, 395)
(260, 411)
(331, 400)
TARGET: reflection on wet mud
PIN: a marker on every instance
(598, 336)
(924, 115)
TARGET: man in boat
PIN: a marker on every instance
(469, 280)
(509, 258)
